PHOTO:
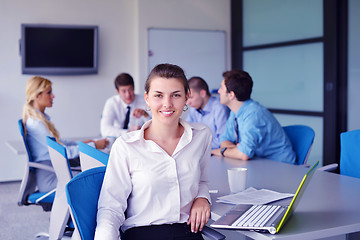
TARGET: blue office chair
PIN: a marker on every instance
(28, 193)
(350, 153)
(60, 219)
(301, 138)
(91, 157)
(82, 196)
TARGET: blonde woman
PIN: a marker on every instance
(158, 174)
(37, 126)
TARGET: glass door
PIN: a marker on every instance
(285, 45)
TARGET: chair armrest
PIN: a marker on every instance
(76, 169)
(329, 168)
(45, 195)
(41, 166)
(212, 234)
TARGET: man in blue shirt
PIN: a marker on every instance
(251, 129)
(206, 109)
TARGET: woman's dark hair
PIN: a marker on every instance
(240, 82)
(167, 70)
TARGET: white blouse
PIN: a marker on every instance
(151, 186)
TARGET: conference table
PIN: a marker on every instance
(18, 147)
(329, 208)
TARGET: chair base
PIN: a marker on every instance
(42, 236)
(46, 206)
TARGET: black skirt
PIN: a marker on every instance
(176, 231)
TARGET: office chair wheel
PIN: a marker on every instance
(42, 236)
(68, 231)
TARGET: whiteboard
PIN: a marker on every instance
(199, 52)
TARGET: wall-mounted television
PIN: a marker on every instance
(59, 49)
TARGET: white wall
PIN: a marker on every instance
(79, 100)
(184, 14)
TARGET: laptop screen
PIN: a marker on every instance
(299, 192)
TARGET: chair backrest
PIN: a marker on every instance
(28, 193)
(301, 138)
(28, 183)
(22, 132)
(91, 157)
(60, 161)
(350, 153)
(60, 214)
(82, 196)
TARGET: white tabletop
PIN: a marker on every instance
(18, 147)
(330, 205)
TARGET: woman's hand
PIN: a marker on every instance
(199, 214)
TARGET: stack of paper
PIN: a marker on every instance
(254, 197)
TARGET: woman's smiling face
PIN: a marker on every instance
(166, 99)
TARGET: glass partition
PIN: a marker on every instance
(353, 67)
(267, 21)
(287, 77)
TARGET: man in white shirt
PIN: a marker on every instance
(124, 111)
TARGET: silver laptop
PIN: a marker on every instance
(263, 218)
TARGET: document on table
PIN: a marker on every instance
(254, 197)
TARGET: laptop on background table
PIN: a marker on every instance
(263, 218)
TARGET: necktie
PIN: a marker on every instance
(236, 131)
(199, 110)
(126, 123)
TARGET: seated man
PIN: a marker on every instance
(251, 129)
(206, 109)
(124, 111)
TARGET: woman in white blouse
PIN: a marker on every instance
(158, 175)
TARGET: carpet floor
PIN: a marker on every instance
(20, 222)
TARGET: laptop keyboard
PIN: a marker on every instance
(256, 216)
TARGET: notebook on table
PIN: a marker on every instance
(263, 218)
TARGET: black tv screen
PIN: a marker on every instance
(59, 49)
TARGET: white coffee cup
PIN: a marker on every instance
(237, 179)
